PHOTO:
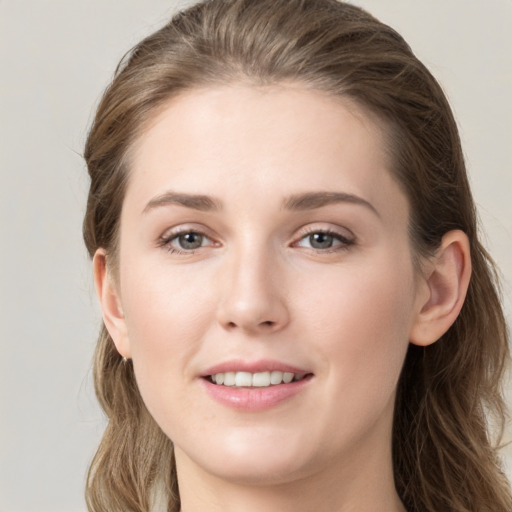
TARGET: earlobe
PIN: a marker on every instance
(110, 302)
(447, 283)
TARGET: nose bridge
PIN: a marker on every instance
(252, 296)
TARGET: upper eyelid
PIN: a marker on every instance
(175, 231)
(341, 232)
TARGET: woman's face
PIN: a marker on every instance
(263, 239)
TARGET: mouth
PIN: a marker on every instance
(252, 386)
(265, 379)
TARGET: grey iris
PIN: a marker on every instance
(321, 240)
(190, 241)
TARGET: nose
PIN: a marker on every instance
(253, 295)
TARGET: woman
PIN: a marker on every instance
(298, 314)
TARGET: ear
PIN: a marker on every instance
(110, 302)
(447, 282)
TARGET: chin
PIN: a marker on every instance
(253, 459)
(260, 472)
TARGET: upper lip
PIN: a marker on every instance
(251, 367)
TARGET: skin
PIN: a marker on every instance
(259, 288)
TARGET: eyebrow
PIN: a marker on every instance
(195, 201)
(296, 202)
(314, 200)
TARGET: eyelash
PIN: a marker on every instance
(344, 244)
(166, 241)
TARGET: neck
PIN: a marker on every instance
(301, 496)
(361, 482)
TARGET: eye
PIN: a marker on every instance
(185, 242)
(325, 240)
(190, 241)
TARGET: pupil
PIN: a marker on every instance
(191, 241)
(321, 240)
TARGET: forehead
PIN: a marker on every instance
(240, 141)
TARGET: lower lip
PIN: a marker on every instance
(254, 399)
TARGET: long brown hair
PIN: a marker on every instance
(449, 394)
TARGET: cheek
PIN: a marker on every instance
(167, 316)
(164, 302)
(360, 323)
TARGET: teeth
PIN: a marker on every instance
(259, 380)
(243, 379)
(276, 377)
(287, 377)
(229, 378)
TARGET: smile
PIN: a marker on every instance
(254, 385)
(258, 380)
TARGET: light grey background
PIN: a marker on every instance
(56, 56)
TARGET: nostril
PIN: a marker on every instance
(252, 325)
